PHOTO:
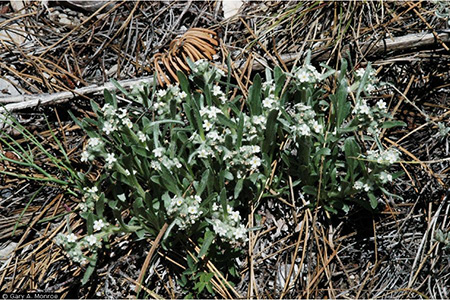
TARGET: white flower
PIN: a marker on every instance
(108, 110)
(255, 149)
(93, 142)
(213, 135)
(302, 107)
(203, 153)
(108, 127)
(179, 201)
(215, 207)
(381, 104)
(192, 210)
(358, 185)
(197, 199)
(366, 187)
(107, 106)
(304, 130)
(98, 225)
(155, 165)
(71, 238)
(385, 177)
(141, 136)
(127, 173)
(216, 90)
(234, 215)
(370, 87)
(220, 228)
(391, 157)
(84, 156)
(123, 113)
(240, 233)
(91, 239)
(127, 122)
(360, 72)
(303, 76)
(161, 93)
(158, 152)
(254, 162)
(110, 158)
(259, 120)
(177, 163)
(92, 190)
(223, 99)
(213, 111)
(207, 125)
(362, 108)
(268, 102)
(182, 95)
(317, 127)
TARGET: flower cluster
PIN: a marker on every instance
(370, 117)
(228, 226)
(160, 157)
(371, 82)
(75, 246)
(386, 157)
(205, 69)
(163, 97)
(186, 211)
(304, 121)
(359, 185)
(306, 74)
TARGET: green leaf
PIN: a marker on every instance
(373, 200)
(122, 89)
(254, 96)
(223, 201)
(311, 190)
(226, 121)
(184, 84)
(100, 205)
(90, 269)
(110, 98)
(90, 222)
(207, 240)
(203, 183)
(390, 124)
(240, 131)
(270, 130)
(238, 188)
(168, 180)
(352, 150)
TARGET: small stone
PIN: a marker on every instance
(65, 21)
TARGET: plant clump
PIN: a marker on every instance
(193, 158)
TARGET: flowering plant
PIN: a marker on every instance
(194, 158)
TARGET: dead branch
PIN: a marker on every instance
(27, 101)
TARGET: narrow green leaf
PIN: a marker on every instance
(223, 201)
(90, 269)
(390, 124)
(373, 200)
(254, 96)
(270, 130)
(203, 183)
(240, 131)
(226, 121)
(184, 84)
(238, 188)
(207, 240)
